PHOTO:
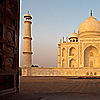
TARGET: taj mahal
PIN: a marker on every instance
(78, 56)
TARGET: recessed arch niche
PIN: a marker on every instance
(72, 51)
(91, 57)
(72, 63)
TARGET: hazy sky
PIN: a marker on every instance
(53, 19)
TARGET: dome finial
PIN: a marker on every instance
(91, 13)
(28, 11)
(74, 31)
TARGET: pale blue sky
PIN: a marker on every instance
(53, 19)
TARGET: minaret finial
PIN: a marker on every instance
(91, 13)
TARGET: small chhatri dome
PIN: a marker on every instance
(74, 34)
(91, 24)
(28, 16)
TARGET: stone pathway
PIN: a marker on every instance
(56, 88)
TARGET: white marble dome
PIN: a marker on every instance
(91, 24)
(74, 34)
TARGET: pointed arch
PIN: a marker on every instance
(91, 54)
(91, 57)
(72, 51)
(63, 63)
(72, 63)
(63, 52)
(87, 73)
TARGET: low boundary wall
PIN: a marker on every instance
(51, 71)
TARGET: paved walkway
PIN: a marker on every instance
(56, 88)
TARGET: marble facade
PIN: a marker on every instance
(80, 56)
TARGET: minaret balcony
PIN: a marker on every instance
(27, 52)
(27, 37)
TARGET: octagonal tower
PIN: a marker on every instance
(27, 41)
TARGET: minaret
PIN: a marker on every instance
(27, 41)
(59, 54)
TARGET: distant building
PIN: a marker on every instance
(83, 48)
(79, 57)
